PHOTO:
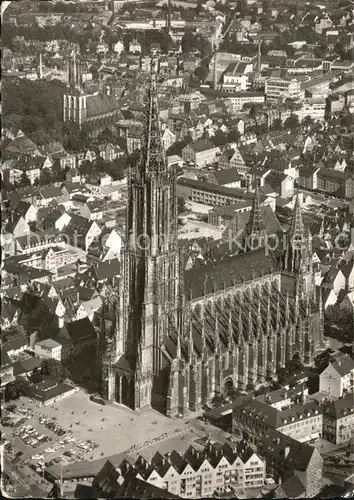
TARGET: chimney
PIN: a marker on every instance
(78, 298)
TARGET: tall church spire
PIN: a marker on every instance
(297, 250)
(153, 159)
(151, 267)
(255, 229)
(297, 229)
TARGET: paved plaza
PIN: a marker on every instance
(114, 428)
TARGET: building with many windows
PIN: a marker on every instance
(207, 192)
(337, 378)
(48, 348)
(283, 88)
(197, 474)
(338, 420)
(302, 422)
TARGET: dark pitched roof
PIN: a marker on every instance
(202, 145)
(51, 192)
(15, 343)
(77, 331)
(292, 488)
(343, 365)
(100, 104)
(235, 269)
(26, 365)
(22, 208)
(107, 270)
(340, 408)
(227, 176)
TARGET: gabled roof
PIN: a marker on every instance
(227, 176)
(26, 365)
(77, 331)
(231, 269)
(100, 104)
(343, 365)
(22, 208)
(106, 270)
(291, 488)
(201, 145)
(340, 408)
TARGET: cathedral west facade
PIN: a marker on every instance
(187, 335)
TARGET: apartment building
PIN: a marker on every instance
(338, 420)
(197, 474)
(202, 152)
(208, 193)
(235, 77)
(283, 88)
(302, 422)
(49, 259)
(331, 181)
(338, 378)
(287, 459)
(314, 107)
(236, 102)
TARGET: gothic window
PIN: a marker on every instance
(257, 290)
(198, 311)
(276, 284)
(230, 299)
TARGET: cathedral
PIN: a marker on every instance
(186, 335)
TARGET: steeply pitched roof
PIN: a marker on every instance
(100, 104)
(343, 365)
(107, 270)
(77, 331)
(292, 488)
(225, 272)
(227, 176)
(202, 145)
(340, 408)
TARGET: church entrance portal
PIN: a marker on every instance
(229, 387)
(124, 391)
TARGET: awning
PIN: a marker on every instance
(315, 435)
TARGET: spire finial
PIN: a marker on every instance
(153, 158)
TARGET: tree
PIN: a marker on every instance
(16, 389)
(233, 135)
(46, 177)
(277, 125)
(220, 139)
(307, 121)
(201, 72)
(53, 369)
(292, 122)
(339, 323)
